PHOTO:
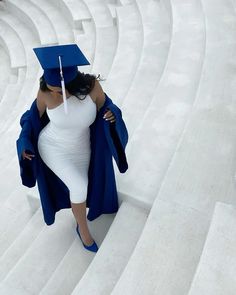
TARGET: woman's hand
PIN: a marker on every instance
(109, 116)
(27, 156)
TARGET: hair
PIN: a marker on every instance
(82, 84)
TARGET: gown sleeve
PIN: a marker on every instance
(24, 142)
(117, 137)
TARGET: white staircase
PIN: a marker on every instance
(158, 127)
(111, 259)
(128, 51)
(216, 270)
(35, 19)
(165, 258)
(169, 65)
(5, 68)
(61, 26)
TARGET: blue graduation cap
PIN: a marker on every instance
(60, 64)
(71, 57)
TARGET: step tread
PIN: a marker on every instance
(114, 252)
(5, 67)
(77, 259)
(13, 44)
(130, 42)
(165, 116)
(165, 257)
(58, 21)
(157, 30)
(100, 13)
(106, 44)
(204, 161)
(78, 10)
(21, 244)
(215, 274)
(41, 22)
(45, 252)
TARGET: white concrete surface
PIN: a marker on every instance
(12, 43)
(100, 13)
(158, 131)
(60, 24)
(74, 11)
(157, 31)
(35, 18)
(46, 255)
(11, 254)
(5, 68)
(166, 255)
(87, 43)
(9, 172)
(203, 167)
(106, 44)
(215, 274)
(13, 102)
(114, 252)
(77, 259)
(126, 59)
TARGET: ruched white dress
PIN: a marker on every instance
(64, 144)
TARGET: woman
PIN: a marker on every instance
(64, 143)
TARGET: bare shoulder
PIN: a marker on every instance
(41, 102)
(97, 94)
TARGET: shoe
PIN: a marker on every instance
(93, 247)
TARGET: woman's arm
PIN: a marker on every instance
(41, 108)
(40, 101)
(99, 96)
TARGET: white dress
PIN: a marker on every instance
(64, 144)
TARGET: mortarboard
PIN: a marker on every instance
(60, 64)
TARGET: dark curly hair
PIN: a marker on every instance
(82, 84)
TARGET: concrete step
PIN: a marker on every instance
(11, 130)
(5, 67)
(166, 255)
(14, 252)
(10, 97)
(77, 259)
(112, 7)
(60, 24)
(129, 48)
(13, 45)
(215, 274)
(15, 100)
(201, 170)
(114, 252)
(100, 13)
(157, 31)
(125, 2)
(106, 45)
(8, 103)
(86, 43)
(23, 99)
(203, 166)
(154, 142)
(45, 252)
(74, 11)
(35, 19)
(25, 33)
(15, 203)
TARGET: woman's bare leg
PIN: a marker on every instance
(79, 211)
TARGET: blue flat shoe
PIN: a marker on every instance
(93, 247)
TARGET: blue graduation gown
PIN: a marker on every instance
(107, 140)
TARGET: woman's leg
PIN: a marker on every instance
(74, 174)
(79, 211)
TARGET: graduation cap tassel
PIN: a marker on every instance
(63, 87)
